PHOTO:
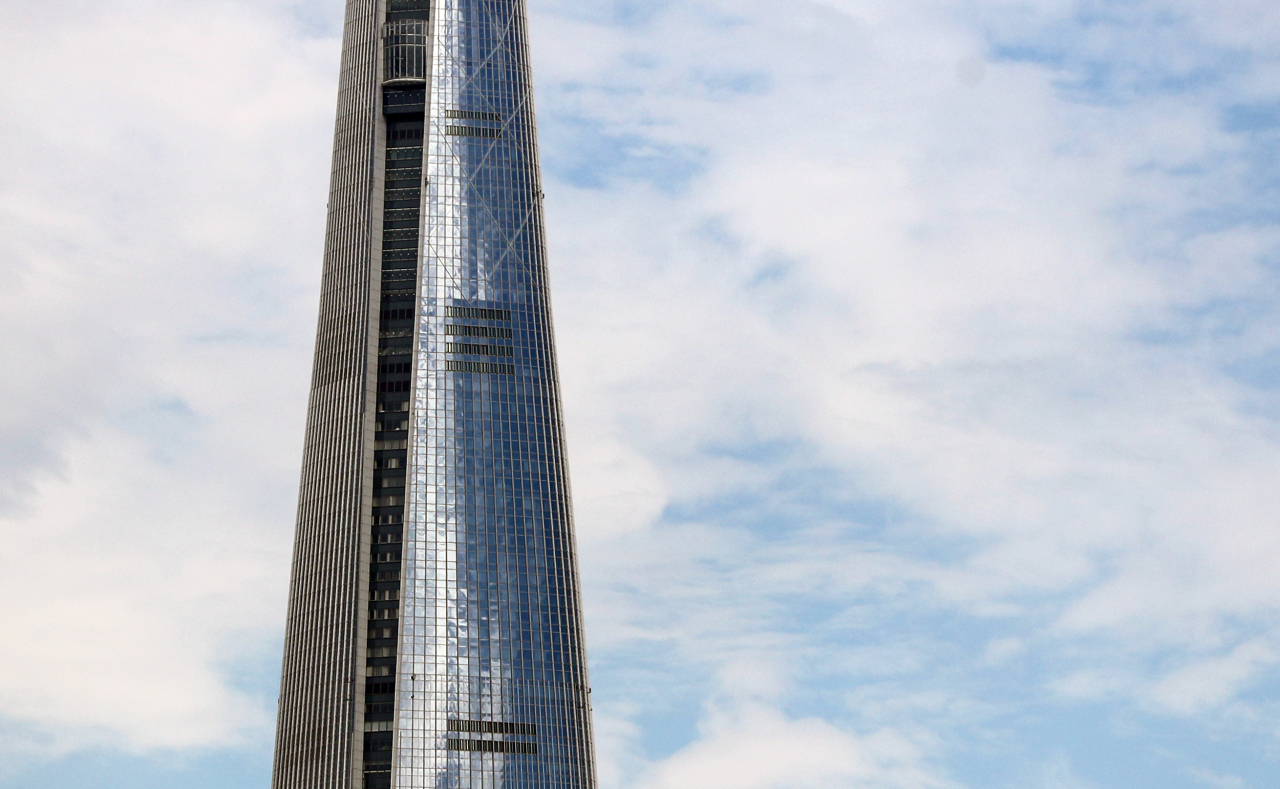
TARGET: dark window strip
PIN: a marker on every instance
(493, 727)
(478, 313)
(480, 367)
(491, 746)
(477, 331)
(471, 131)
(472, 115)
(478, 350)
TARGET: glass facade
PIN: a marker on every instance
(435, 639)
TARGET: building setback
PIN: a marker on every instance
(435, 629)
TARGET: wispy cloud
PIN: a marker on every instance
(919, 364)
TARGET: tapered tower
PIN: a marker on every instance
(435, 631)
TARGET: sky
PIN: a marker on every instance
(920, 365)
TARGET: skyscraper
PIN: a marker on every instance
(435, 632)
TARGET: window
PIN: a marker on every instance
(471, 131)
(491, 746)
(397, 443)
(384, 594)
(477, 331)
(393, 386)
(397, 315)
(398, 367)
(405, 96)
(375, 688)
(478, 313)
(404, 173)
(378, 725)
(377, 671)
(377, 652)
(390, 462)
(471, 115)
(405, 153)
(480, 367)
(492, 727)
(395, 6)
(380, 539)
(476, 350)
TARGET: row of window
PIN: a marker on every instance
(396, 6)
(377, 671)
(492, 727)
(491, 746)
(475, 350)
(472, 115)
(477, 331)
(398, 174)
(393, 386)
(384, 594)
(406, 134)
(480, 367)
(399, 367)
(407, 153)
(397, 97)
(470, 131)
(477, 313)
(378, 725)
(398, 315)
(385, 613)
(386, 539)
(384, 557)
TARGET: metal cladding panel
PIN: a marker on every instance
(321, 672)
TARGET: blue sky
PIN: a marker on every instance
(919, 364)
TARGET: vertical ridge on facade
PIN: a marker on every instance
(435, 628)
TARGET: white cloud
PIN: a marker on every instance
(155, 334)
(1210, 683)
(751, 745)
(884, 380)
